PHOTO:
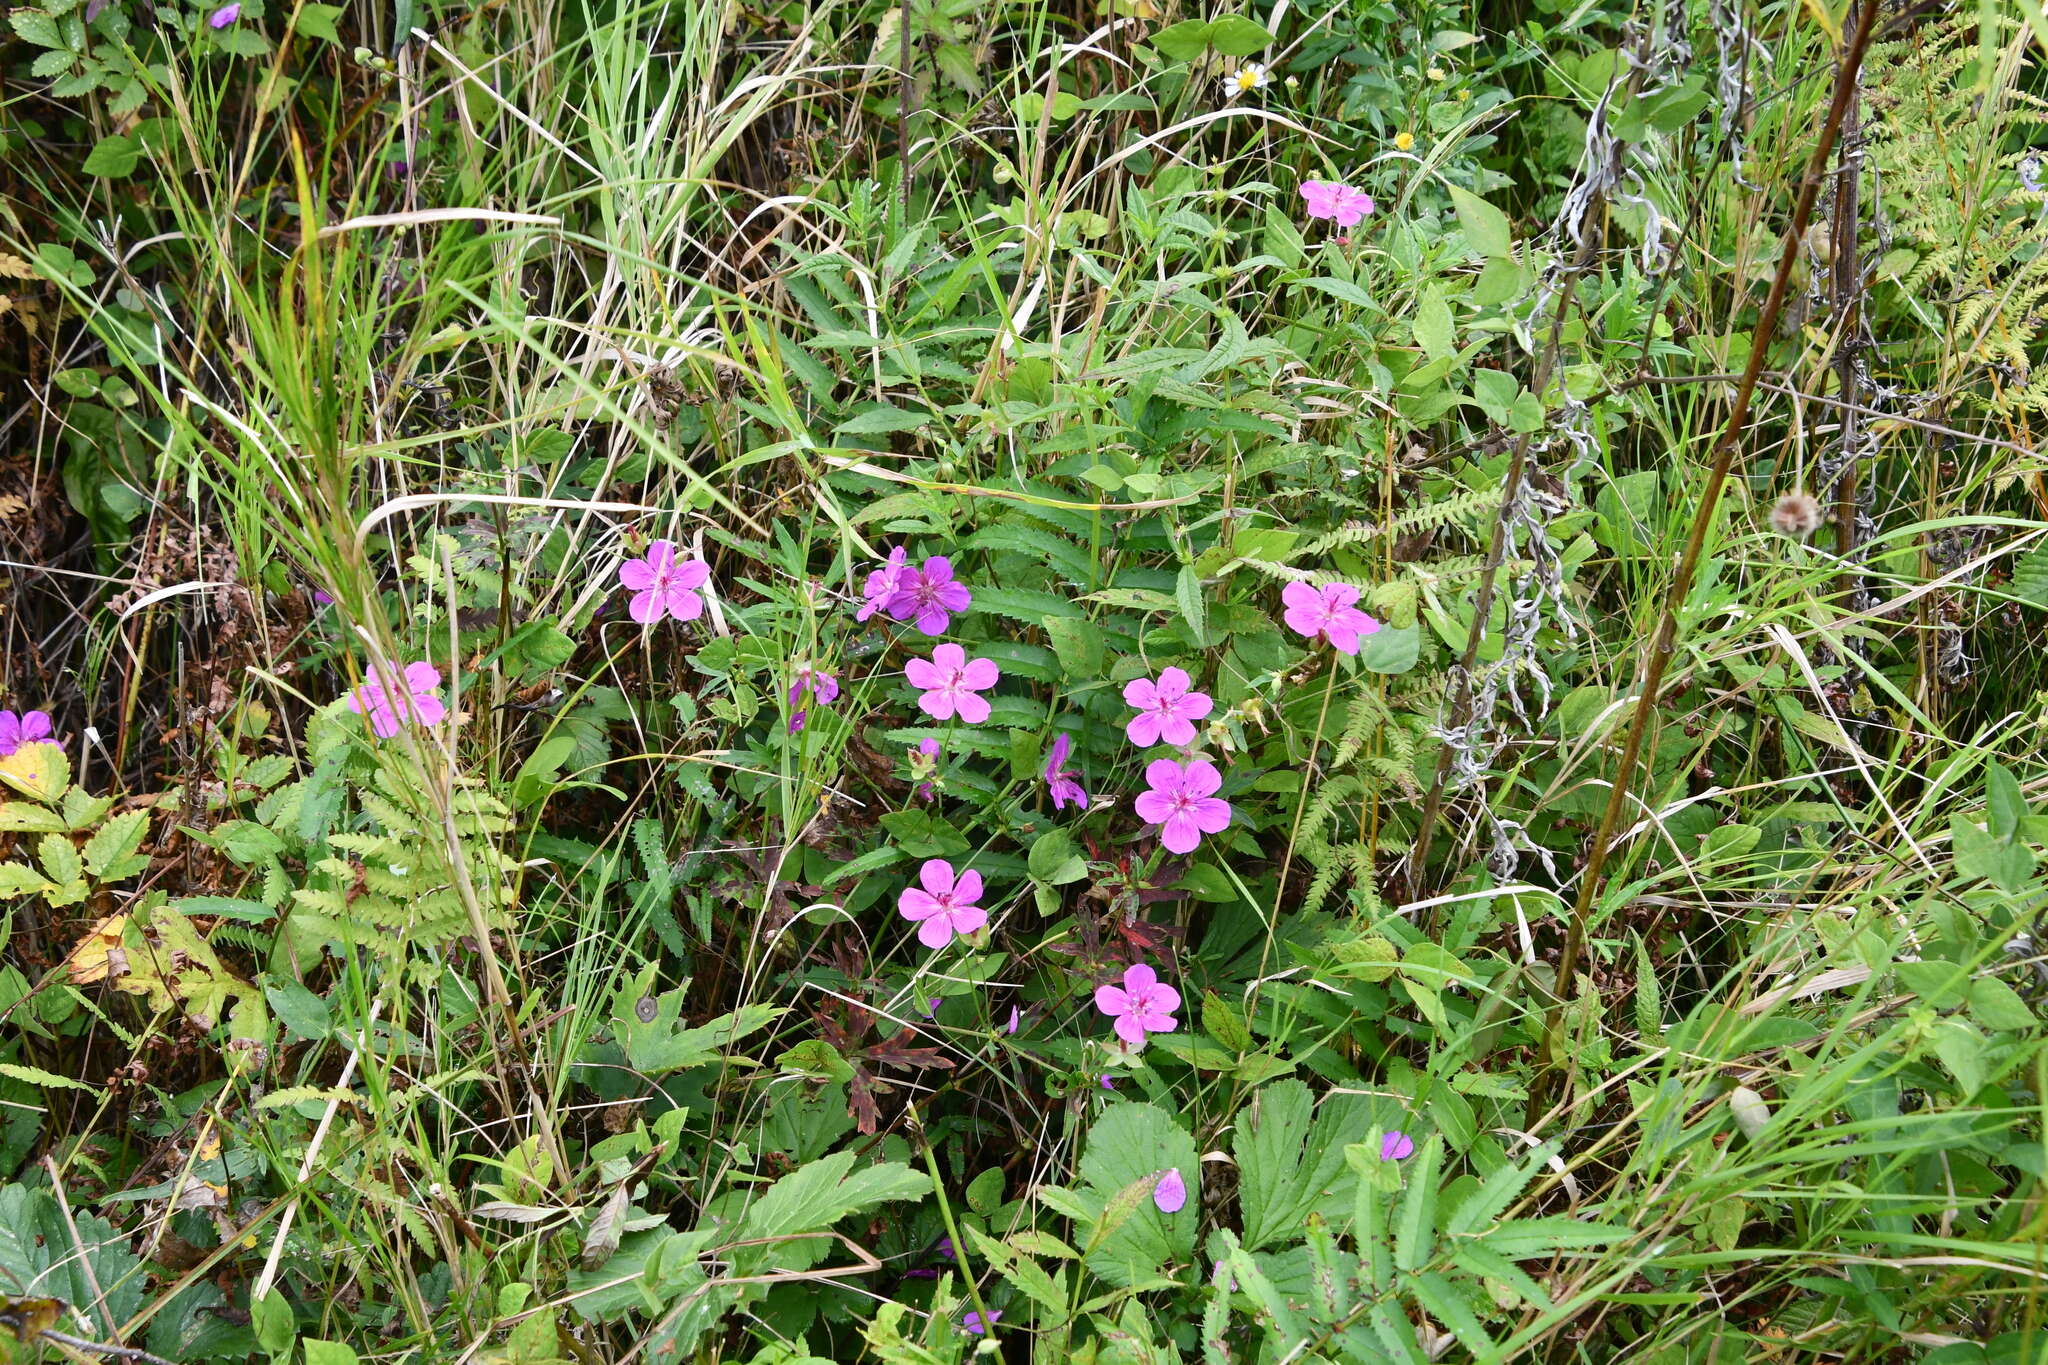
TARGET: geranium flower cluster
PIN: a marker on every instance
(1180, 798)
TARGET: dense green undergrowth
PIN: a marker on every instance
(823, 683)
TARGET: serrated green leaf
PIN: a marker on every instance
(36, 27)
(19, 879)
(1496, 1192)
(1222, 1021)
(1291, 1159)
(47, 1079)
(1415, 1224)
(1450, 1308)
(115, 844)
(1127, 1148)
(1530, 1238)
(59, 857)
(22, 817)
(1021, 1271)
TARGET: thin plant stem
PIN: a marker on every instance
(931, 1165)
(1650, 670)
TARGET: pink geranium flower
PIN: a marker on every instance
(1396, 1146)
(389, 709)
(1327, 613)
(883, 583)
(663, 586)
(1183, 802)
(1170, 1195)
(815, 681)
(929, 596)
(1142, 1005)
(976, 1327)
(822, 687)
(945, 906)
(1167, 709)
(1338, 202)
(1061, 783)
(30, 727)
(225, 15)
(949, 681)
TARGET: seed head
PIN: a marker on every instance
(1796, 515)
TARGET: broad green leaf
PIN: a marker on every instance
(985, 1191)
(1486, 227)
(537, 776)
(276, 1326)
(317, 21)
(1236, 36)
(1435, 332)
(1194, 605)
(2006, 803)
(113, 157)
(1388, 650)
(1998, 1006)
(1031, 107)
(1343, 290)
(1179, 42)
(1055, 858)
(813, 1198)
(1127, 1148)
(1965, 1053)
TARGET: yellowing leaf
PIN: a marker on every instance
(37, 770)
(91, 959)
(1828, 25)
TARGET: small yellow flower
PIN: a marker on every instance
(1245, 79)
(1404, 141)
(1436, 73)
(1464, 94)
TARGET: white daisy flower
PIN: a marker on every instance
(1245, 79)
